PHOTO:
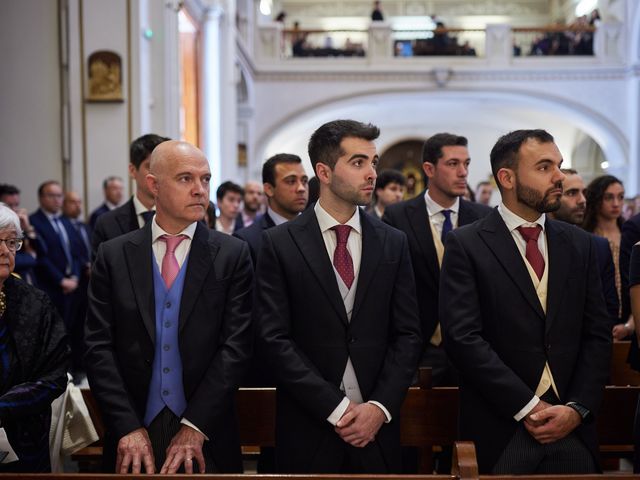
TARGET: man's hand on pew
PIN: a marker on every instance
(134, 450)
(360, 423)
(558, 422)
(184, 447)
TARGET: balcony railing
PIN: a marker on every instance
(497, 44)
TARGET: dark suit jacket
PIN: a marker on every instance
(253, 234)
(301, 318)
(96, 213)
(607, 276)
(499, 338)
(113, 224)
(52, 261)
(411, 217)
(630, 236)
(214, 336)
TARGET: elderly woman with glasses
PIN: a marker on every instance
(33, 358)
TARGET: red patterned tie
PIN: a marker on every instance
(530, 235)
(341, 257)
(170, 266)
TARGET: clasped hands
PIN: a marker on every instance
(135, 451)
(360, 423)
(550, 423)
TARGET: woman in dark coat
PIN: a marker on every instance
(34, 358)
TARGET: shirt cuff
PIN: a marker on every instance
(384, 410)
(527, 408)
(186, 422)
(338, 412)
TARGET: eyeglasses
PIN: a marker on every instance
(13, 244)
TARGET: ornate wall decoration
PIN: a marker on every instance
(105, 77)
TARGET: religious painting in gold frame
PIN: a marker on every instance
(105, 77)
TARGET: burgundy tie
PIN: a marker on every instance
(530, 235)
(341, 257)
(170, 266)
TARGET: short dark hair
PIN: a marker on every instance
(110, 179)
(6, 189)
(504, 153)
(385, 177)
(269, 167)
(324, 144)
(142, 147)
(226, 187)
(482, 184)
(44, 185)
(432, 148)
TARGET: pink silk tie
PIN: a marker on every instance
(341, 256)
(530, 235)
(170, 267)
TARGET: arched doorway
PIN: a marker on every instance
(406, 157)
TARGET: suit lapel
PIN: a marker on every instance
(466, 215)
(127, 218)
(306, 233)
(372, 245)
(559, 264)
(201, 256)
(499, 240)
(138, 256)
(419, 221)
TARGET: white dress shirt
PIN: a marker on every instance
(436, 217)
(276, 217)
(354, 246)
(513, 221)
(140, 209)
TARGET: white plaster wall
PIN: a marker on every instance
(30, 142)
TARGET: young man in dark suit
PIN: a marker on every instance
(285, 184)
(139, 210)
(426, 219)
(524, 321)
(335, 308)
(168, 331)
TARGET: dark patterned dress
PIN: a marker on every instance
(34, 358)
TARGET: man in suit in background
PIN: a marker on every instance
(168, 331)
(251, 204)
(72, 210)
(229, 197)
(58, 250)
(573, 204)
(426, 219)
(285, 184)
(113, 189)
(525, 322)
(138, 211)
(336, 310)
(389, 191)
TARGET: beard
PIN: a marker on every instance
(541, 203)
(348, 193)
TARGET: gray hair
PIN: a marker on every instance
(9, 219)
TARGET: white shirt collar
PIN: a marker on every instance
(111, 206)
(434, 207)
(140, 208)
(326, 221)
(51, 216)
(514, 221)
(276, 217)
(157, 231)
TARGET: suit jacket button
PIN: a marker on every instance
(352, 339)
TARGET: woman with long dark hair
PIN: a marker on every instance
(603, 217)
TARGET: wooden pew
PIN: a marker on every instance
(621, 372)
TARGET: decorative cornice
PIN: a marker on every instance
(454, 75)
